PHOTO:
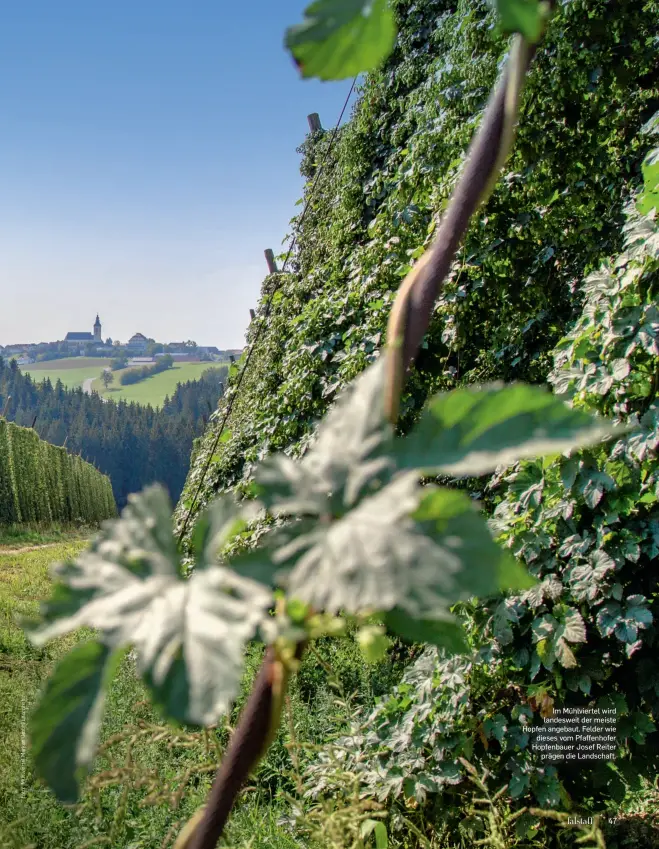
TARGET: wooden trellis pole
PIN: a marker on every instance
(270, 259)
(314, 122)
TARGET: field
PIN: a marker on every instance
(72, 371)
(154, 389)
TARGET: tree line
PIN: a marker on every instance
(133, 444)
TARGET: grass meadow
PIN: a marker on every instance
(154, 389)
(74, 371)
(151, 776)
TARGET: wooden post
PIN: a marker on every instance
(314, 123)
(270, 259)
(252, 315)
(34, 421)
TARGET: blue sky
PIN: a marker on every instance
(147, 158)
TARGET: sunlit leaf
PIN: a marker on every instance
(419, 549)
(649, 196)
(471, 431)
(378, 830)
(523, 16)
(373, 643)
(349, 457)
(189, 634)
(342, 38)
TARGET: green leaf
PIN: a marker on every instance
(450, 518)
(213, 529)
(471, 431)
(189, 634)
(420, 549)
(446, 633)
(373, 643)
(523, 16)
(378, 830)
(512, 575)
(342, 38)
(349, 458)
(519, 784)
(649, 196)
(64, 727)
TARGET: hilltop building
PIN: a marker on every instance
(137, 343)
(80, 339)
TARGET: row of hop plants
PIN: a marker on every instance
(586, 526)
(43, 484)
(513, 290)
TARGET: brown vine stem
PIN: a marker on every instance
(254, 732)
(412, 309)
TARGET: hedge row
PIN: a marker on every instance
(43, 483)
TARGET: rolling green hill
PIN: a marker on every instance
(154, 389)
(72, 371)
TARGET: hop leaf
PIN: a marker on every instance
(342, 38)
(524, 16)
(373, 643)
(65, 725)
(189, 635)
(349, 458)
(470, 431)
(415, 548)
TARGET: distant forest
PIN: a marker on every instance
(134, 444)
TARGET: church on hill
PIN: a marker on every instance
(84, 338)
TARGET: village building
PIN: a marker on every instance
(137, 343)
(80, 339)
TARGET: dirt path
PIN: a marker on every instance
(87, 387)
(24, 548)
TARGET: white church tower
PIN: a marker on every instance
(97, 329)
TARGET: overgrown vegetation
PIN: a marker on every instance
(587, 527)
(514, 288)
(43, 484)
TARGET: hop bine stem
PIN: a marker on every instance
(415, 301)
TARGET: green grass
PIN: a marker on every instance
(72, 371)
(13, 536)
(138, 806)
(154, 389)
